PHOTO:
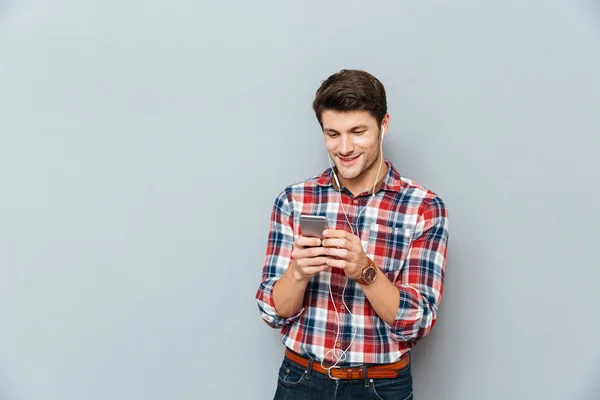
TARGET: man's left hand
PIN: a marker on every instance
(345, 251)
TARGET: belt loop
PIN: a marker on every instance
(366, 376)
(309, 369)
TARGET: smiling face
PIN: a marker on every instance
(353, 139)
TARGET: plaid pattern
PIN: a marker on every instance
(404, 230)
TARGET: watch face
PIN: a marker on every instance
(370, 275)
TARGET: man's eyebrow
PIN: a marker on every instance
(354, 128)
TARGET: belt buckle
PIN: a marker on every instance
(329, 372)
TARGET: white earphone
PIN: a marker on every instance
(342, 356)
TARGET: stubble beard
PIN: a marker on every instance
(357, 171)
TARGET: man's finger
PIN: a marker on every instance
(309, 252)
(312, 271)
(336, 233)
(337, 242)
(314, 251)
(305, 241)
(311, 262)
(339, 253)
(332, 262)
(317, 268)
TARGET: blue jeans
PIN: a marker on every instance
(297, 383)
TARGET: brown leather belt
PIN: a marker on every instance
(375, 372)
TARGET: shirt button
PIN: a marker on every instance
(338, 345)
(355, 201)
(390, 230)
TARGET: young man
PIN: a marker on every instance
(351, 305)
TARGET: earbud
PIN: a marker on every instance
(382, 132)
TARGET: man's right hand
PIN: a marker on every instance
(308, 258)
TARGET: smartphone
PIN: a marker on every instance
(313, 225)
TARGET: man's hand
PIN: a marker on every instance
(345, 251)
(309, 258)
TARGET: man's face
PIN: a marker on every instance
(352, 140)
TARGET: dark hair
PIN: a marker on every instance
(350, 90)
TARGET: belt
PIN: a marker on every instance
(375, 371)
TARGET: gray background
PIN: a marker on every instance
(142, 144)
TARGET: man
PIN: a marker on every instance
(351, 305)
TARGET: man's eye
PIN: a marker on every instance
(332, 135)
(359, 132)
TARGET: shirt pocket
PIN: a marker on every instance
(388, 246)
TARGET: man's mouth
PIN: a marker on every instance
(348, 161)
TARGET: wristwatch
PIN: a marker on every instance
(368, 274)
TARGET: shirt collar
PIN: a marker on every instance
(390, 182)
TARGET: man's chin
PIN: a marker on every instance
(349, 173)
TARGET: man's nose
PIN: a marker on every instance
(346, 145)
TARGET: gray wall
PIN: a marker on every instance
(143, 143)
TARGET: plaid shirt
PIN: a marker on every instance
(404, 230)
